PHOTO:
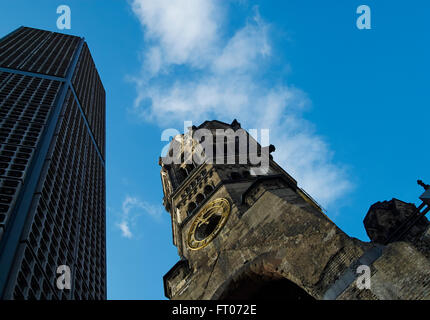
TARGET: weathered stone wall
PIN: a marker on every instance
(401, 273)
(295, 240)
(282, 236)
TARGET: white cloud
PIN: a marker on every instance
(125, 229)
(226, 80)
(131, 203)
(132, 208)
(184, 31)
(244, 49)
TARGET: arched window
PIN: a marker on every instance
(200, 198)
(257, 287)
(191, 208)
(208, 189)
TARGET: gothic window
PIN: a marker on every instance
(200, 198)
(191, 208)
(208, 189)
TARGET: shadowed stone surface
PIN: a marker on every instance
(383, 218)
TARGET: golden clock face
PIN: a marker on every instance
(208, 223)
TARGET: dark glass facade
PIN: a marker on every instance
(52, 167)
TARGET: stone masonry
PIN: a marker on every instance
(278, 241)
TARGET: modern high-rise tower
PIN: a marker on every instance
(52, 168)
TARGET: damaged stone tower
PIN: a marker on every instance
(248, 234)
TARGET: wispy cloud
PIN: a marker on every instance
(125, 229)
(132, 208)
(225, 79)
(178, 31)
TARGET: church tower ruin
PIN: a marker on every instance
(247, 233)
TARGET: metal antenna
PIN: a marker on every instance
(422, 184)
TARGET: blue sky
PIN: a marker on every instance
(348, 109)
